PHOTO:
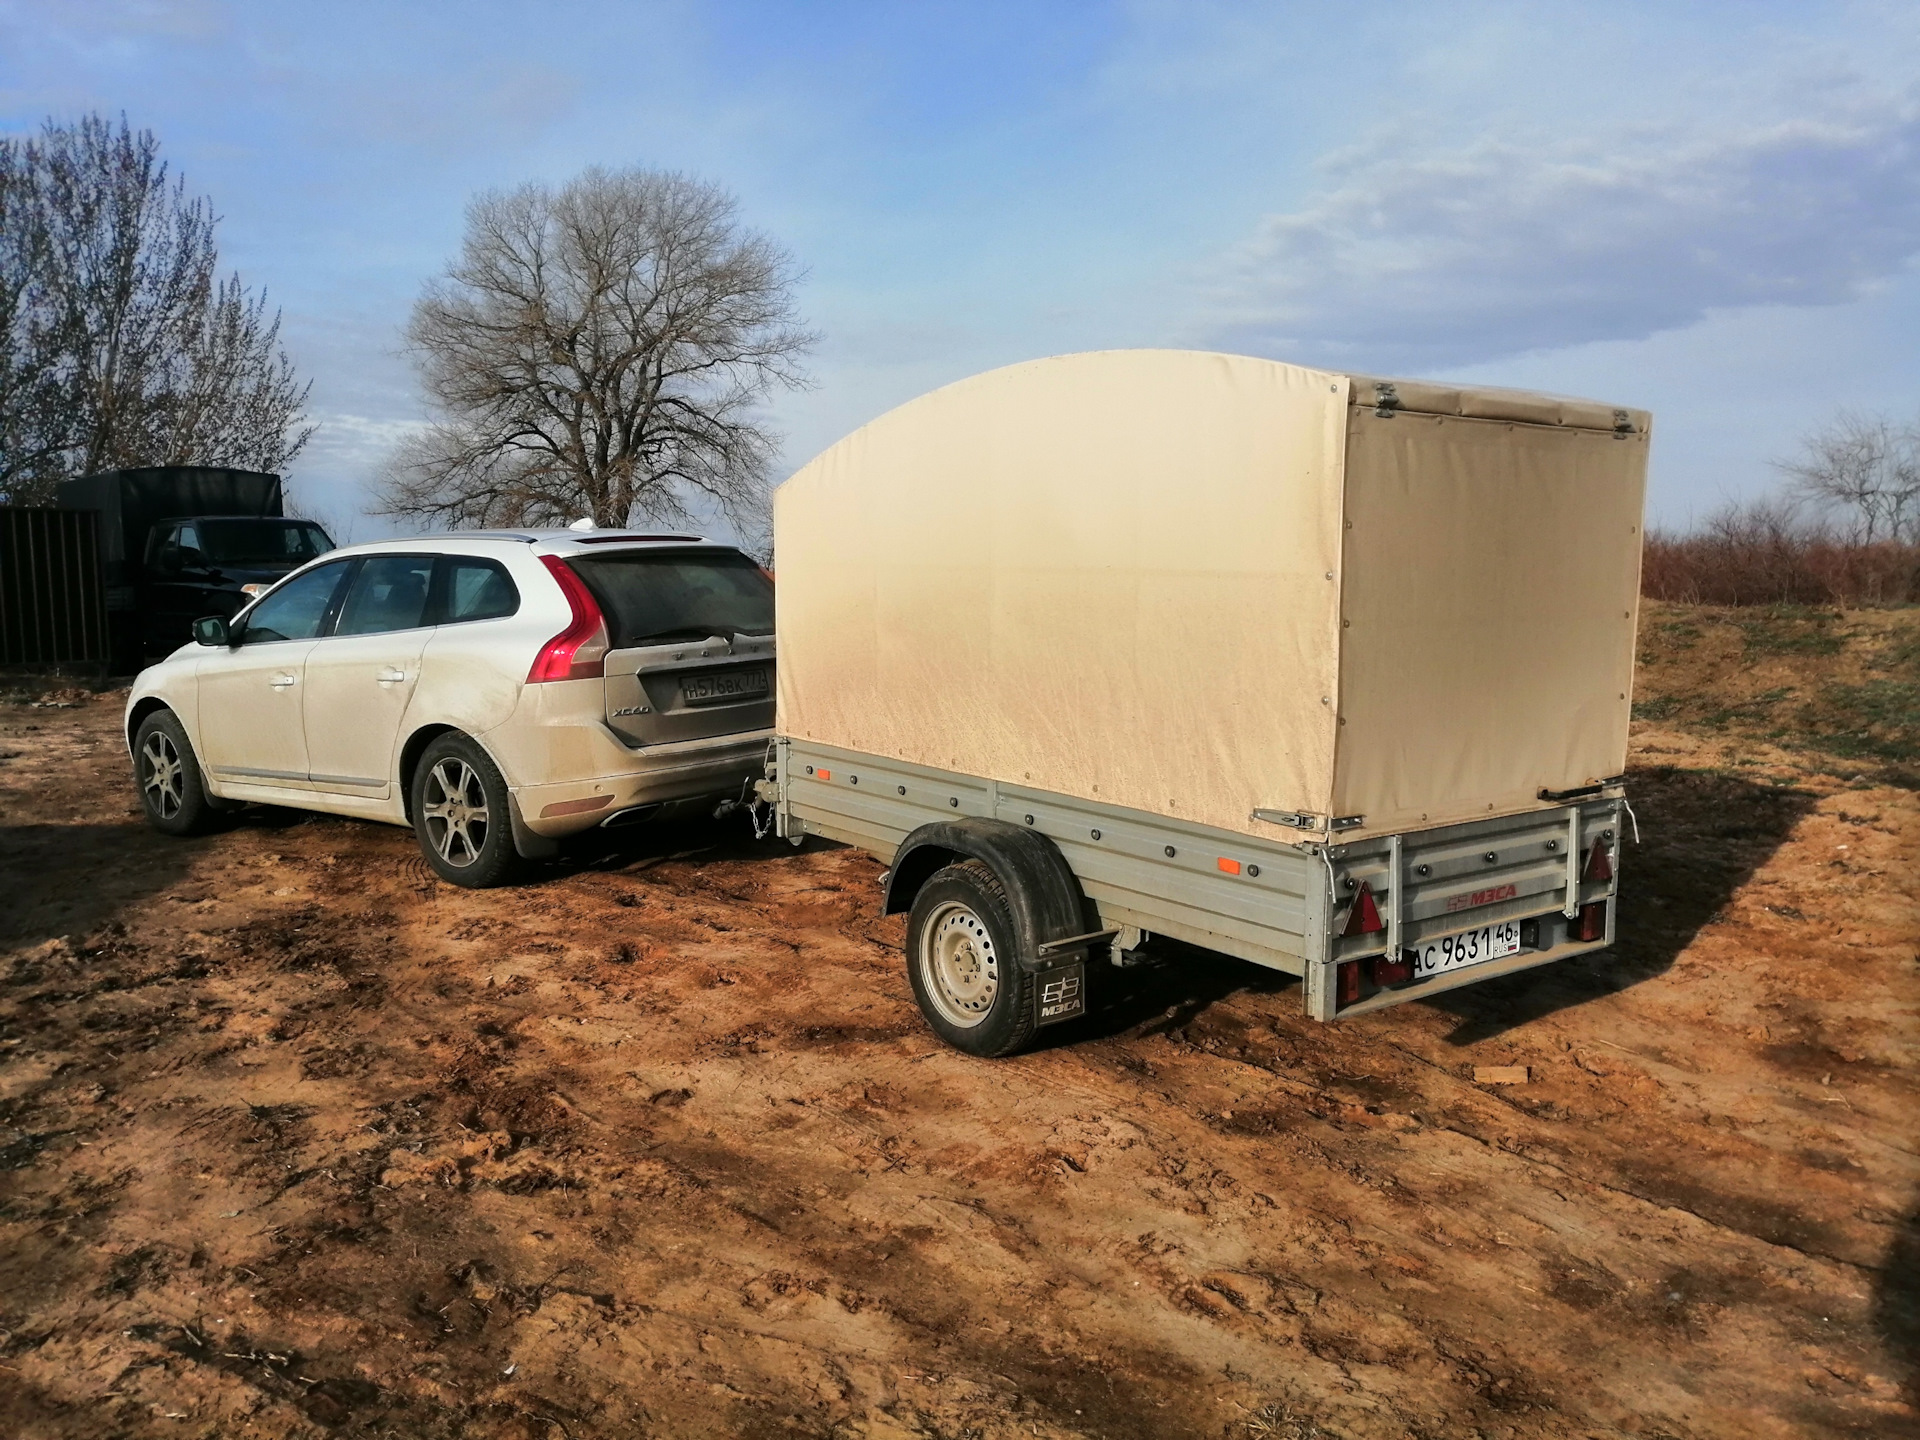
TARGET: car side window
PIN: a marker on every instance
(476, 589)
(191, 555)
(389, 593)
(297, 609)
(165, 547)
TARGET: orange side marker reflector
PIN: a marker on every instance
(825, 774)
(1231, 867)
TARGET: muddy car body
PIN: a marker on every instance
(497, 690)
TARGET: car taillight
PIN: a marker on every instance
(578, 652)
(1348, 988)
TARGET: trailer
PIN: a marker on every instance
(1325, 672)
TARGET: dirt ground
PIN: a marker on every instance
(296, 1141)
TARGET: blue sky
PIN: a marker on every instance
(1709, 210)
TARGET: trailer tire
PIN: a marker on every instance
(964, 964)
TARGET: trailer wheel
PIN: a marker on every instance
(963, 961)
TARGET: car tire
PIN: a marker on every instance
(460, 814)
(166, 772)
(963, 962)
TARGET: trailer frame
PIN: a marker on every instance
(1277, 902)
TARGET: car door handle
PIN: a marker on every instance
(390, 676)
(281, 682)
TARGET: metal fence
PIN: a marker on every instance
(52, 608)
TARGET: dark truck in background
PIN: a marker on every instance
(178, 542)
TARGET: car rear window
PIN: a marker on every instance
(668, 595)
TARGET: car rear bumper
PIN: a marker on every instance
(720, 767)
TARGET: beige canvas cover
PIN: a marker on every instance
(1129, 576)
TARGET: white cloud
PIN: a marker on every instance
(1422, 258)
(346, 439)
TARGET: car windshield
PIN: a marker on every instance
(262, 542)
(678, 594)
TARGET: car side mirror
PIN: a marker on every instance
(212, 630)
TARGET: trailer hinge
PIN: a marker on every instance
(1622, 424)
(1386, 399)
(1582, 792)
(1307, 820)
(1293, 819)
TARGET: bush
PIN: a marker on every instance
(1762, 552)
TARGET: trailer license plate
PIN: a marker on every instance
(724, 685)
(1456, 951)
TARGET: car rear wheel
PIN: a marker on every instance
(172, 792)
(460, 814)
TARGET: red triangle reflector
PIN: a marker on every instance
(1364, 918)
(1599, 866)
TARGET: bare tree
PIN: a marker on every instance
(29, 362)
(122, 347)
(1866, 467)
(602, 350)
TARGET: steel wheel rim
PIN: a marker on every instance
(162, 775)
(958, 965)
(455, 809)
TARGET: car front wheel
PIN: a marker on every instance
(172, 792)
(460, 814)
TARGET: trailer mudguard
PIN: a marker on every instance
(1047, 905)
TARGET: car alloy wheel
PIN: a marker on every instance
(162, 775)
(456, 811)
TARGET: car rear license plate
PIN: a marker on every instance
(722, 685)
(1453, 952)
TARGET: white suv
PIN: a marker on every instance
(496, 690)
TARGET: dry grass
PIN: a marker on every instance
(1841, 687)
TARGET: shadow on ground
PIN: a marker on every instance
(1172, 986)
(82, 876)
(1703, 834)
(1896, 1306)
